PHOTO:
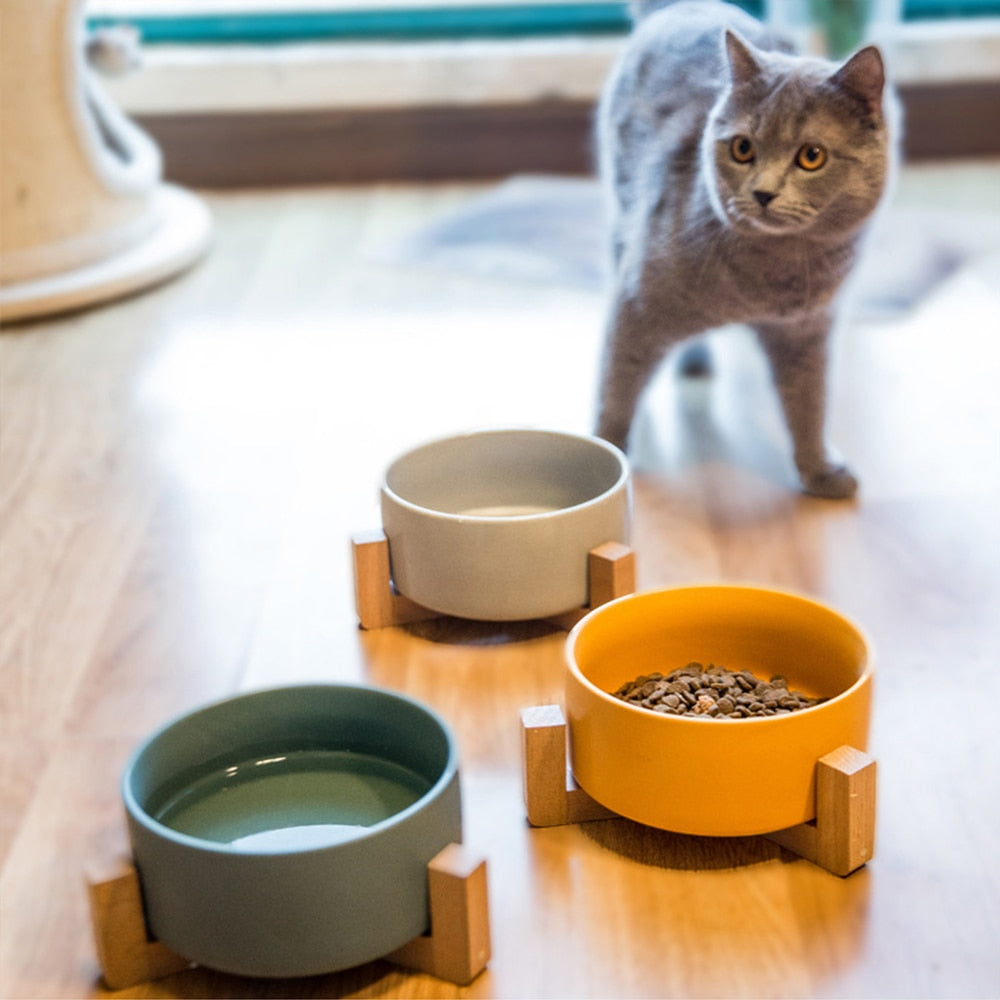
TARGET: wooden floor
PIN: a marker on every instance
(180, 476)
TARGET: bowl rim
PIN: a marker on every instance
(138, 813)
(621, 481)
(792, 718)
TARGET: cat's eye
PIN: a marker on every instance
(810, 157)
(741, 149)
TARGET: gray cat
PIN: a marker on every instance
(742, 177)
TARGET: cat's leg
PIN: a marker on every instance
(798, 358)
(633, 349)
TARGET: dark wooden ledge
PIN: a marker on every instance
(439, 143)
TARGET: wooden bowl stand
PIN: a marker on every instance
(456, 948)
(840, 839)
(610, 574)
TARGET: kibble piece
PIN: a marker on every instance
(714, 692)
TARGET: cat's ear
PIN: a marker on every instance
(863, 76)
(743, 64)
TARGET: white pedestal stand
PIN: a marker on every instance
(84, 214)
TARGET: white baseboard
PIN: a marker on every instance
(344, 76)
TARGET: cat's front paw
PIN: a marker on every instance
(832, 482)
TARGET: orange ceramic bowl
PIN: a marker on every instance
(709, 776)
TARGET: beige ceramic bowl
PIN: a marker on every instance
(497, 525)
(716, 777)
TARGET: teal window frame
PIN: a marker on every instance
(444, 21)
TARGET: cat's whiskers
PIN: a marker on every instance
(783, 216)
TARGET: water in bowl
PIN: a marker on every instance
(290, 801)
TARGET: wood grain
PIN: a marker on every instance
(180, 477)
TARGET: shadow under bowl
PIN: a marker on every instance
(287, 832)
(497, 525)
(712, 776)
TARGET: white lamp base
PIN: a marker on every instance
(178, 238)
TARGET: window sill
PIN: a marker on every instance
(204, 79)
(528, 89)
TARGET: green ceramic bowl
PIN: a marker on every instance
(287, 832)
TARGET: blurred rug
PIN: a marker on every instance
(551, 230)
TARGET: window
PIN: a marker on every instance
(247, 91)
(240, 21)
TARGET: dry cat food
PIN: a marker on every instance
(714, 692)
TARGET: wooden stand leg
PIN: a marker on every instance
(377, 602)
(611, 569)
(842, 837)
(126, 953)
(610, 574)
(551, 795)
(457, 948)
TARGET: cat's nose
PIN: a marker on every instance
(764, 198)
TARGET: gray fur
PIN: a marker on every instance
(692, 246)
